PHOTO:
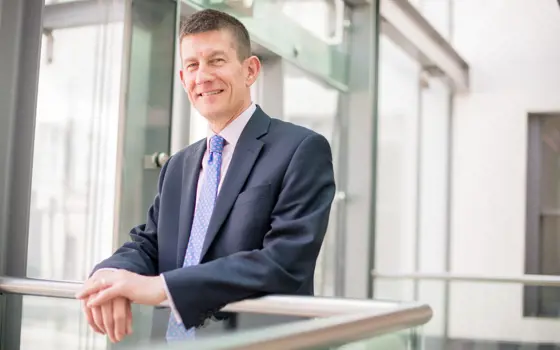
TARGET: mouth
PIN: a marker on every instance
(209, 93)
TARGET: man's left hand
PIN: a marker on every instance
(137, 288)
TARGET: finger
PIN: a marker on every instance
(128, 317)
(92, 287)
(105, 295)
(90, 320)
(98, 319)
(119, 318)
(108, 322)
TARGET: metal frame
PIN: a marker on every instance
(415, 35)
(20, 48)
(528, 280)
(181, 112)
(355, 256)
(333, 320)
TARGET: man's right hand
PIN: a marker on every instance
(113, 318)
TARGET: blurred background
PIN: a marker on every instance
(443, 117)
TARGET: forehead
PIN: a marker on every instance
(206, 44)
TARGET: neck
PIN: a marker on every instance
(220, 124)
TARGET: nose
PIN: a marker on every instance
(203, 75)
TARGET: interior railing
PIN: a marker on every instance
(332, 320)
(527, 280)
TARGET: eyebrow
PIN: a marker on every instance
(212, 54)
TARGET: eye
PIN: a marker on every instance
(191, 66)
(218, 61)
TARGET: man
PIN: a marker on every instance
(240, 214)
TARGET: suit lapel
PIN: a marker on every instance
(244, 157)
(191, 172)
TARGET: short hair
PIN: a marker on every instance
(209, 20)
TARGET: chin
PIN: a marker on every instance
(211, 112)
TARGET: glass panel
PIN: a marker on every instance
(148, 114)
(404, 340)
(59, 324)
(397, 168)
(147, 122)
(287, 39)
(410, 339)
(75, 156)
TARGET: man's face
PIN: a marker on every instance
(217, 83)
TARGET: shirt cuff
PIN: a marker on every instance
(108, 269)
(171, 303)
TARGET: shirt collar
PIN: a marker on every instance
(233, 130)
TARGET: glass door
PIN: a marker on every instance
(74, 163)
(103, 112)
(145, 129)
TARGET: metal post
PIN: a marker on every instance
(20, 48)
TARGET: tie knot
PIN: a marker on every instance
(216, 144)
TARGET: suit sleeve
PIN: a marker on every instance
(140, 254)
(290, 249)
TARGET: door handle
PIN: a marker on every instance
(156, 160)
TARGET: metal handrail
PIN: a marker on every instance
(334, 320)
(529, 280)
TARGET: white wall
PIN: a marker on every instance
(513, 49)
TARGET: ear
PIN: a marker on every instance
(253, 70)
(181, 74)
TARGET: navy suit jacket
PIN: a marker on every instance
(266, 229)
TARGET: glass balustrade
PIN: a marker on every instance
(477, 312)
(52, 319)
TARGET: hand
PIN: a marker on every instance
(121, 283)
(113, 318)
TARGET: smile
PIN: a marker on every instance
(210, 93)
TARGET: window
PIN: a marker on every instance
(543, 213)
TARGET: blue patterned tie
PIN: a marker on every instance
(202, 214)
